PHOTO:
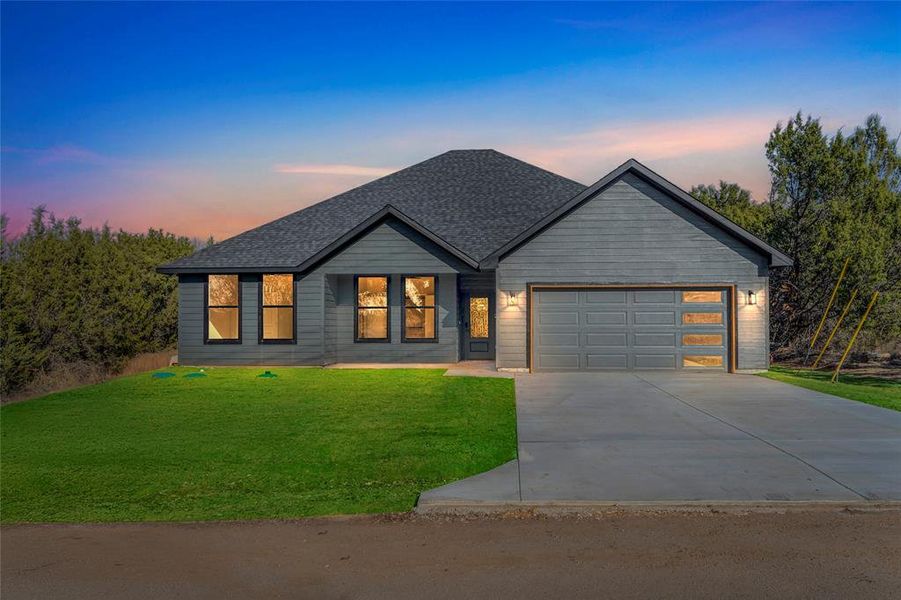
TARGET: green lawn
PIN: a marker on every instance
(232, 445)
(872, 390)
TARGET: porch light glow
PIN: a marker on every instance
(511, 298)
(752, 298)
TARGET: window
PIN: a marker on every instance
(420, 314)
(702, 361)
(702, 296)
(372, 309)
(277, 308)
(702, 318)
(702, 339)
(478, 317)
(223, 309)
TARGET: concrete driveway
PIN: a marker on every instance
(669, 437)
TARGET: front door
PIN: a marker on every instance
(478, 325)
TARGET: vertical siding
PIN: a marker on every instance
(324, 310)
(632, 233)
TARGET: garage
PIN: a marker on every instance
(610, 328)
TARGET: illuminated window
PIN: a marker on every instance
(277, 308)
(702, 339)
(223, 309)
(478, 317)
(372, 308)
(699, 318)
(702, 296)
(420, 316)
(702, 361)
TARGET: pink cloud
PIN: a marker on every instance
(688, 151)
(334, 169)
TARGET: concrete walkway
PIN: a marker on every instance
(686, 437)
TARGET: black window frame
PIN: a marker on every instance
(404, 307)
(206, 311)
(357, 307)
(292, 306)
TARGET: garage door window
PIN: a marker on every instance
(691, 297)
(702, 361)
(702, 339)
(699, 318)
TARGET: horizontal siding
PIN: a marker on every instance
(632, 233)
(445, 350)
(324, 311)
(477, 281)
(390, 248)
(308, 320)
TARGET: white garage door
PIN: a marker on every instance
(595, 329)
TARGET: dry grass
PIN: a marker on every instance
(73, 375)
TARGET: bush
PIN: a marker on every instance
(76, 296)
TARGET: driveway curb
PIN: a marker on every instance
(589, 508)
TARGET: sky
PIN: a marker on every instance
(209, 119)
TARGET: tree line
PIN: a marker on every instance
(71, 295)
(75, 295)
(832, 198)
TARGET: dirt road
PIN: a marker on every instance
(817, 554)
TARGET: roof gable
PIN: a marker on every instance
(775, 256)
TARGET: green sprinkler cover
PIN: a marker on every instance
(194, 375)
(163, 375)
(267, 374)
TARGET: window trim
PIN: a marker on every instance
(403, 308)
(206, 311)
(357, 338)
(292, 306)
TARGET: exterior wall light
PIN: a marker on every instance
(511, 298)
(752, 298)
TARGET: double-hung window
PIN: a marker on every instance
(277, 308)
(420, 314)
(223, 307)
(371, 306)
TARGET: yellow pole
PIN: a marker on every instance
(854, 337)
(841, 317)
(828, 306)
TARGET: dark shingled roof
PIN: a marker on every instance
(475, 200)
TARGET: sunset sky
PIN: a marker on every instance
(209, 119)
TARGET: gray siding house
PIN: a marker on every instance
(475, 255)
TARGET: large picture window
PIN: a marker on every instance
(223, 309)
(372, 323)
(420, 314)
(277, 308)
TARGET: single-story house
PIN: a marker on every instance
(474, 254)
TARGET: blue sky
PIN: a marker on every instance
(211, 118)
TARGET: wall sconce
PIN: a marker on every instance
(752, 298)
(511, 298)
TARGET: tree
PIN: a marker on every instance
(831, 198)
(70, 295)
(734, 203)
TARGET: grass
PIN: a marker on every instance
(235, 446)
(871, 390)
